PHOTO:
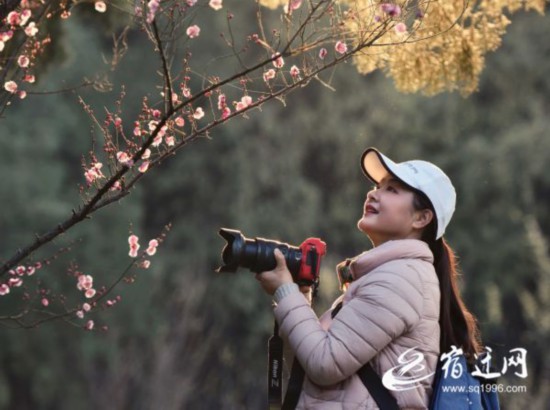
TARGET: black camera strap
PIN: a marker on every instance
(275, 369)
(275, 376)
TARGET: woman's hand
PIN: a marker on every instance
(270, 280)
(307, 292)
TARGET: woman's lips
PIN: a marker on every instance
(369, 209)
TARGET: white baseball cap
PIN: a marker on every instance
(419, 175)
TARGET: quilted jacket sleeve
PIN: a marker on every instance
(384, 305)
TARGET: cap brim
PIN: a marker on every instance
(375, 165)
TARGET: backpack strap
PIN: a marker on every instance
(381, 395)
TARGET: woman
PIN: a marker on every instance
(401, 307)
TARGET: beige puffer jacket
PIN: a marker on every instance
(391, 306)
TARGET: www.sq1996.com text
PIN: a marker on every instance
(500, 388)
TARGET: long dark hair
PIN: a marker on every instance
(458, 325)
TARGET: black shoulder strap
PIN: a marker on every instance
(372, 381)
(379, 393)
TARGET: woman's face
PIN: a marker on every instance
(388, 213)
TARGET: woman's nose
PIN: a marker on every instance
(372, 195)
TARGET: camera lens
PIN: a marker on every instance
(256, 254)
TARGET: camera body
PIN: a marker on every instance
(256, 254)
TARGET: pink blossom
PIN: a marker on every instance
(86, 307)
(269, 75)
(155, 113)
(22, 94)
(118, 122)
(246, 100)
(152, 249)
(279, 62)
(116, 186)
(222, 101)
(198, 114)
(80, 314)
(341, 47)
(20, 270)
(6, 35)
(85, 282)
(13, 18)
(137, 131)
(90, 293)
(400, 28)
(10, 86)
(123, 157)
(392, 10)
(180, 122)
(152, 125)
(25, 16)
(94, 172)
(145, 264)
(4, 289)
(29, 78)
(323, 53)
(31, 29)
(294, 71)
(152, 7)
(15, 282)
(134, 245)
(100, 6)
(144, 166)
(191, 3)
(292, 5)
(89, 325)
(186, 92)
(2, 45)
(170, 141)
(146, 154)
(216, 4)
(31, 269)
(157, 140)
(193, 31)
(226, 112)
(45, 302)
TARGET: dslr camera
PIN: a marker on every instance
(256, 254)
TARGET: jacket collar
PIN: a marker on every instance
(390, 250)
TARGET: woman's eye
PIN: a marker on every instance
(392, 189)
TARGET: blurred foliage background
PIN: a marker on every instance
(184, 337)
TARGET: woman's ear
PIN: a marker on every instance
(422, 218)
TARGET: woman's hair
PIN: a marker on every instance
(458, 324)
